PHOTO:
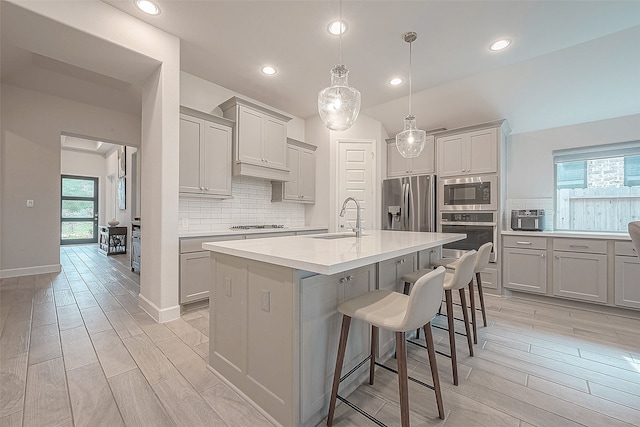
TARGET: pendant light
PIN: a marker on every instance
(410, 142)
(339, 104)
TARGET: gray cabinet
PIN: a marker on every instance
(525, 264)
(627, 279)
(580, 269)
(205, 154)
(320, 333)
(260, 140)
(301, 187)
(468, 153)
(400, 166)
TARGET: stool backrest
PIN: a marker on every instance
(424, 300)
(463, 273)
(634, 232)
(482, 259)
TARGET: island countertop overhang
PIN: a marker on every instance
(321, 254)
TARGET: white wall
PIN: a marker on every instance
(530, 169)
(32, 123)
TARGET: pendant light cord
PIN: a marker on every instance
(410, 68)
(340, 32)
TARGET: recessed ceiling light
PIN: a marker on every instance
(147, 6)
(500, 44)
(395, 82)
(334, 27)
(268, 70)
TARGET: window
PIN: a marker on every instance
(597, 188)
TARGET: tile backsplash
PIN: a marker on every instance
(545, 203)
(251, 204)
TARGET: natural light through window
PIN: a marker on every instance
(598, 188)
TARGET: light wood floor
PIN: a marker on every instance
(75, 349)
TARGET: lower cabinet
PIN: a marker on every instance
(389, 274)
(627, 282)
(525, 264)
(580, 269)
(320, 332)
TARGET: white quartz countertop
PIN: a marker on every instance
(570, 234)
(250, 231)
(319, 254)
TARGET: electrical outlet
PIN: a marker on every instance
(227, 286)
(266, 300)
(185, 222)
(29, 203)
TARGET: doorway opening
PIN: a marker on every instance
(78, 209)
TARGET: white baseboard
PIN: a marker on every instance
(29, 271)
(159, 315)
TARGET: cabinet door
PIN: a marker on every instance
(249, 137)
(425, 162)
(580, 276)
(628, 281)
(292, 187)
(190, 167)
(525, 270)
(320, 332)
(195, 276)
(275, 143)
(216, 154)
(451, 155)
(482, 151)
(307, 175)
(396, 164)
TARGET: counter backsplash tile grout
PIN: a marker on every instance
(251, 204)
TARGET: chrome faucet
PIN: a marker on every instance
(358, 227)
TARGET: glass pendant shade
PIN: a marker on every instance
(339, 104)
(410, 142)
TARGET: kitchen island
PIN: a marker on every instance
(274, 327)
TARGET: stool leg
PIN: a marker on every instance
(403, 381)
(472, 297)
(452, 335)
(484, 313)
(342, 346)
(428, 336)
(374, 350)
(465, 316)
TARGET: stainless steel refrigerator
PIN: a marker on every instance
(408, 203)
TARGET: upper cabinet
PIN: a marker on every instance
(400, 166)
(260, 140)
(205, 154)
(301, 187)
(468, 153)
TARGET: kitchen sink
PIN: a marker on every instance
(333, 236)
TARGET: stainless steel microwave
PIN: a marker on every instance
(472, 193)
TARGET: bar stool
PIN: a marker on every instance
(457, 280)
(482, 261)
(399, 313)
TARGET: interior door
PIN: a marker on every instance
(356, 180)
(78, 210)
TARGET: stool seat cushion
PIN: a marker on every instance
(384, 309)
(445, 262)
(413, 277)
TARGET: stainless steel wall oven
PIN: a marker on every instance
(480, 228)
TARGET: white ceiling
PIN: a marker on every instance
(570, 61)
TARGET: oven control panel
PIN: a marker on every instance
(468, 217)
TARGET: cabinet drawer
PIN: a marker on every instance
(524, 242)
(625, 248)
(580, 245)
(194, 244)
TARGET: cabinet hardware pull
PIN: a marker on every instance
(556, 257)
(579, 246)
(401, 261)
(523, 243)
(349, 278)
(542, 255)
(343, 280)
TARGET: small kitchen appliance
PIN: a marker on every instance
(528, 219)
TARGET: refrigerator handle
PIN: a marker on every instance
(405, 206)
